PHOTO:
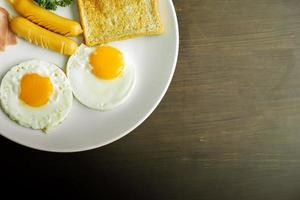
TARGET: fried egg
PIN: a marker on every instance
(101, 77)
(36, 94)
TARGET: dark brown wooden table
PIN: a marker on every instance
(228, 128)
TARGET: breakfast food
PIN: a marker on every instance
(101, 77)
(36, 94)
(7, 37)
(42, 37)
(109, 20)
(46, 19)
(3, 28)
(39, 95)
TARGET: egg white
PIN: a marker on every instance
(94, 92)
(44, 117)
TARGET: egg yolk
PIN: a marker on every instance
(107, 62)
(35, 90)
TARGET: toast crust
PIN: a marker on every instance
(111, 20)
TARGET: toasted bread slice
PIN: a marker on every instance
(110, 20)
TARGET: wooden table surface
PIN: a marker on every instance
(228, 128)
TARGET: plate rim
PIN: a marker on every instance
(138, 123)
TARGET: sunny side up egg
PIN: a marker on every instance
(101, 77)
(36, 94)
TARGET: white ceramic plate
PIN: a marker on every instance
(155, 60)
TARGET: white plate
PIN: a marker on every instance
(155, 60)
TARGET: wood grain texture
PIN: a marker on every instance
(228, 128)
